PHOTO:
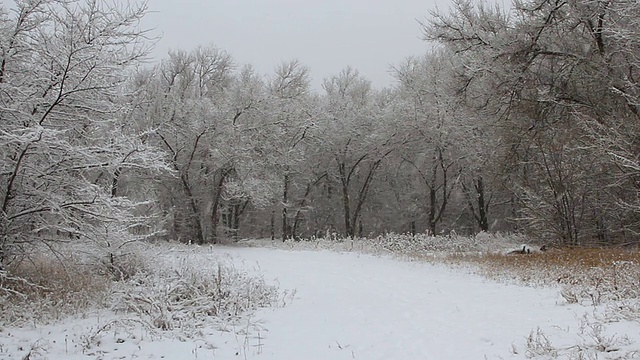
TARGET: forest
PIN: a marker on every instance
(522, 119)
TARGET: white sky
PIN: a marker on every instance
(325, 35)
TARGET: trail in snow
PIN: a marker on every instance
(347, 306)
(356, 306)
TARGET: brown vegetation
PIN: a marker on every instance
(570, 258)
(586, 274)
(48, 288)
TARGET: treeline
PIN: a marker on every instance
(521, 119)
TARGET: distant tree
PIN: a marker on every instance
(292, 115)
(211, 119)
(433, 123)
(353, 133)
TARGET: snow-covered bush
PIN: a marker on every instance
(187, 295)
(593, 341)
(164, 286)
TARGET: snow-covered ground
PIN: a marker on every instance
(353, 306)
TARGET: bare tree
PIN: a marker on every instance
(63, 103)
(556, 77)
(354, 134)
(292, 114)
(432, 122)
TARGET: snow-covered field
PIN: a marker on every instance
(347, 305)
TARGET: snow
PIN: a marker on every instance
(360, 306)
(352, 306)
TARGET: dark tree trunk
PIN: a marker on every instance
(483, 206)
(433, 198)
(347, 212)
(238, 209)
(215, 206)
(285, 203)
(184, 177)
(362, 194)
(351, 220)
(436, 212)
(346, 201)
(477, 203)
(114, 183)
(298, 217)
(195, 214)
(273, 224)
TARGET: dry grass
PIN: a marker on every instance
(574, 258)
(43, 277)
(593, 275)
(167, 287)
(47, 288)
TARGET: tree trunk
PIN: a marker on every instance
(114, 183)
(362, 195)
(195, 214)
(285, 202)
(298, 218)
(346, 205)
(483, 206)
(433, 198)
(436, 212)
(217, 195)
(477, 199)
(349, 231)
(273, 225)
(237, 210)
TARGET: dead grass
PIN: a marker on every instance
(167, 287)
(574, 258)
(593, 275)
(47, 288)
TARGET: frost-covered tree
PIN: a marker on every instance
(355, 141)
(215, 120)
(292, 112)
(184, 102)
(65, 138)
(558, 79)
(433, 122)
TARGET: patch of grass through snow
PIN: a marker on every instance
(165, 286)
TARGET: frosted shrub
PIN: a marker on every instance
(188, 296)
(596, 285)
(164, 286)
(424, 244)
(538, 344)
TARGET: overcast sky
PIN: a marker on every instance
(325, 35)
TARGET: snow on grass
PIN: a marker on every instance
(340, 299)
(404, 245)
(197, 288)
(194, 297)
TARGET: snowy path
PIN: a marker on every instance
(355, 306)
(349, 306)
